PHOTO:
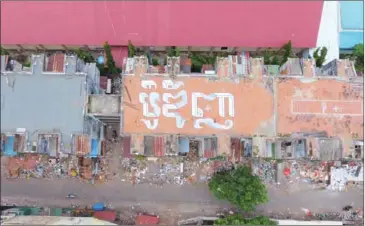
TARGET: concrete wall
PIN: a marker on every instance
(46, 102)
(261, 106)
(328, 34)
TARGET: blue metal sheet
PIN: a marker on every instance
(9, 146)
(94, 148)
(349, 39)
(352, 15)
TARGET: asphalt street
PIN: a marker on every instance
(186, 198)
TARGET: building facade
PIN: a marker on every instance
(44, 107)
(319, 116)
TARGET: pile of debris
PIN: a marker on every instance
(314, 171)
(36, 166)
(346, 175)
(352, 216)
(133, 170)
(265, 170)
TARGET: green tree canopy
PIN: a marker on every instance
(240, 220)
(239, 187)
(358, 55)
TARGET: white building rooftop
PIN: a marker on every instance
(53, 220)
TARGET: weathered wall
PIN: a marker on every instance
(197, 106)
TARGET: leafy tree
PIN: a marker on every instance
(287, 52)
(358, 56)
(240, 220)
(198, 60)
(3, 51)
(173, 51)
(278, 57)
(112, 69)
(239, 187)
(85, 55)
(319, 56)
(131, 49)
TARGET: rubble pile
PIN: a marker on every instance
(350, 215)
(313, 171)
(36, 166)
(171, 173)
(133, 170)
(265, 170)
(346, 175)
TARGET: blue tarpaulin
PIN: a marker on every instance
(94, 148)
(99, 206)
(9, 146)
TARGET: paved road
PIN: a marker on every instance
(187, 198)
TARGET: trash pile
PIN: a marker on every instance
(172, 173)
(265, 170)
(36, 166)
(351, 216)
(171, 170)
(161, 171)
(133, 170)
(346, 175)
(314, 171)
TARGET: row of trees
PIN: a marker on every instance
(241, 188)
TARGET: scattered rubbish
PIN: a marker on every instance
(265, 170)
(347, 208)
(71, 196)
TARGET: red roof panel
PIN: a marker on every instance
(147, 220)
(106, 215)
(161, 23)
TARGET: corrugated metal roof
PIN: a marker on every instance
(147, 220)
(209, 23)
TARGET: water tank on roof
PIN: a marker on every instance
(101, 59)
